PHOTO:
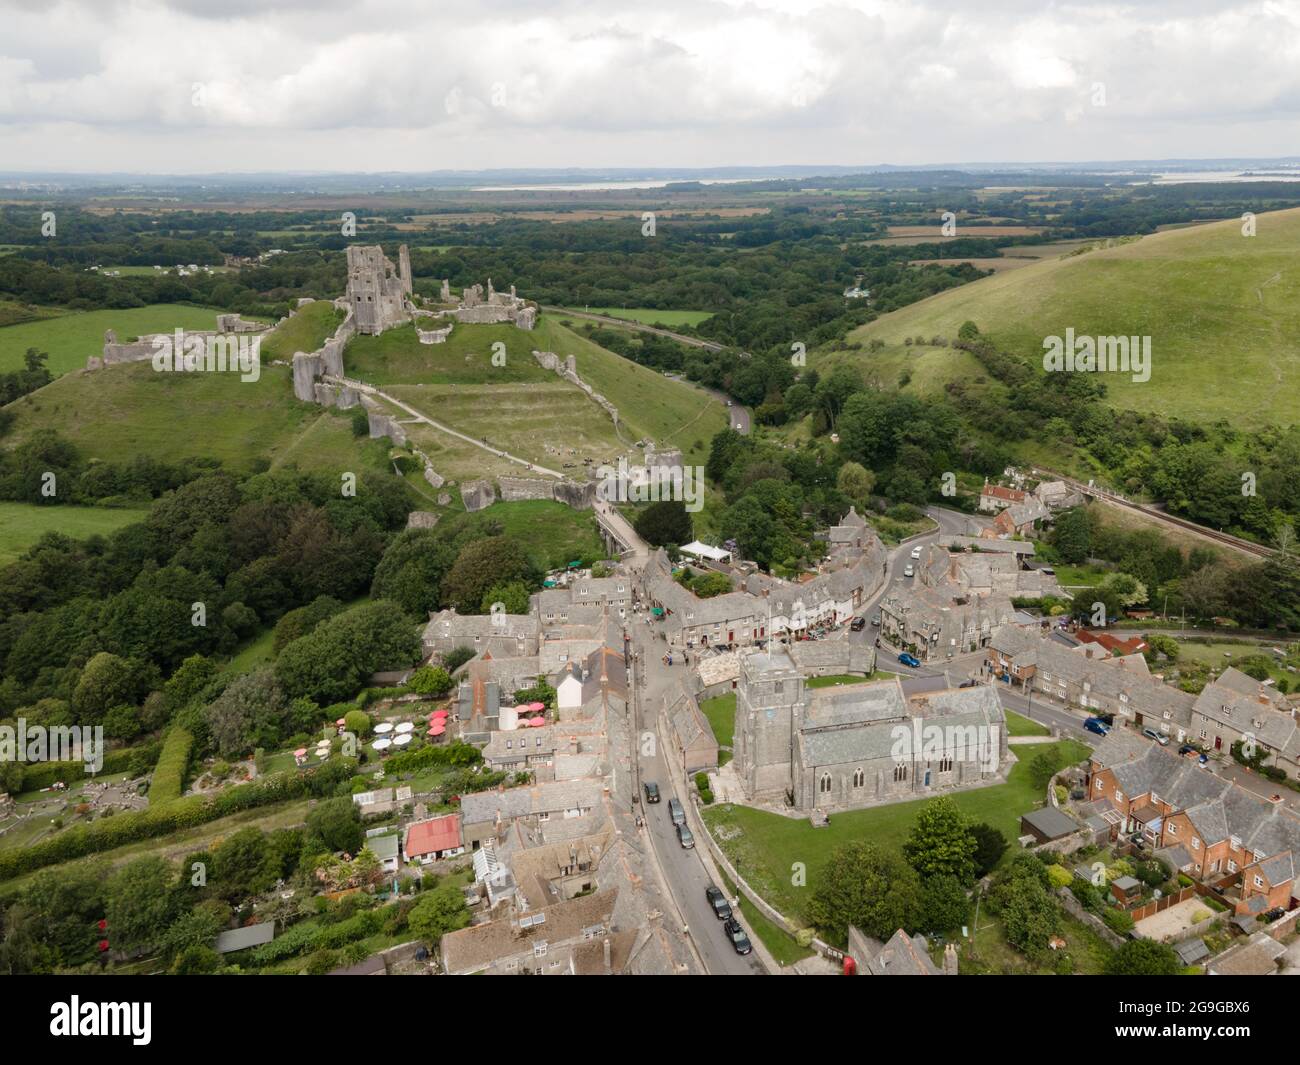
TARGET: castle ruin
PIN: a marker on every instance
(378, 292)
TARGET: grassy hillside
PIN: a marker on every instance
(22, 524)
(70, 338)
(305, 331)
(1223, 312)
(651, 315)
(128, 410)
(396, 357)
(650, 405)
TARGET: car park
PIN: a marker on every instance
(736, 934)
(1096, 725)
(685, 837)
(651, 791)
(909, 660)
(718, 901)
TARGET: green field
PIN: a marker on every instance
(71, 338)
(1219, 307)
(766, 844)
(22, 524)
(1018, 725)
(651, 316)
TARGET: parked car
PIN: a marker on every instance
(875, 618)
(1188, 748)
(908, 572)
(1159, 737)
(651, 791)
(721, 907)
(736, 934)
(685, 837)
(909, 660)
(1097, 725)
(676, 812)
(968, 684)
(1274, 913)
(858, 624)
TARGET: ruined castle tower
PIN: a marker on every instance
(377, 290)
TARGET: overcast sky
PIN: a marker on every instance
(185, 86)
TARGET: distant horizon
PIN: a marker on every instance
(742, 171)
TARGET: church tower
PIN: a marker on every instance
(770, 705)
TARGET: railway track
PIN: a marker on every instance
(1246, 547)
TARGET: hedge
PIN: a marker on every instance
(304, 938)
(169, 774)
(43, 774)
(107, 833)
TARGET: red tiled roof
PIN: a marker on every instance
(1133, 645)
(429, 837)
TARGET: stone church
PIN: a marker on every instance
(859, 744)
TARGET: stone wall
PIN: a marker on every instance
(382, 423)
(476, 495)
(567, 369)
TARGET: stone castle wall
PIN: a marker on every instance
(567, 369)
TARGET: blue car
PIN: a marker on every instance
(909, 660)
(1097, 725)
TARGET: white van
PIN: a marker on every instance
(916, 551)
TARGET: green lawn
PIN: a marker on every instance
(651, 316)
(22, 524)
(71, 338)
(721, 712)
(1017, 725)
(764, 846)
(1079, 576)
(837, 679)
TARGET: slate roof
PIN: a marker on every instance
(550, 797)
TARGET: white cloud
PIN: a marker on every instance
(308, 84)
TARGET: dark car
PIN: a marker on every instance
(909, 660)
(685, 837)
(651, 791)
(1097, 725)
(721, 907)
(737, 936)
(968, 684)
(1274, 913)
(858, 624)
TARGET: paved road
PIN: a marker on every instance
(683, 869)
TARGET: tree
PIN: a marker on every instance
(438, 912)
(431, 680)
(336, 824)
(867, 887)
(412, 570)
(944, 905)
(1143, 957)
(140, 903)
(480, 565)
(333, 662)
(252, 712)
(106, 682)
(1073, 536)
(940, 843)
(513, 596)
(990, 845)
(240, 865)
(1021, 897)
(667, 522)
(856, 482)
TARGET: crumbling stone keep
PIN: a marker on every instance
(378, 292)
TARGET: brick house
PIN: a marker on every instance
(1214, 831)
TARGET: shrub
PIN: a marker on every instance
(1118, 921)
(169, 775)
(1059, 876)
